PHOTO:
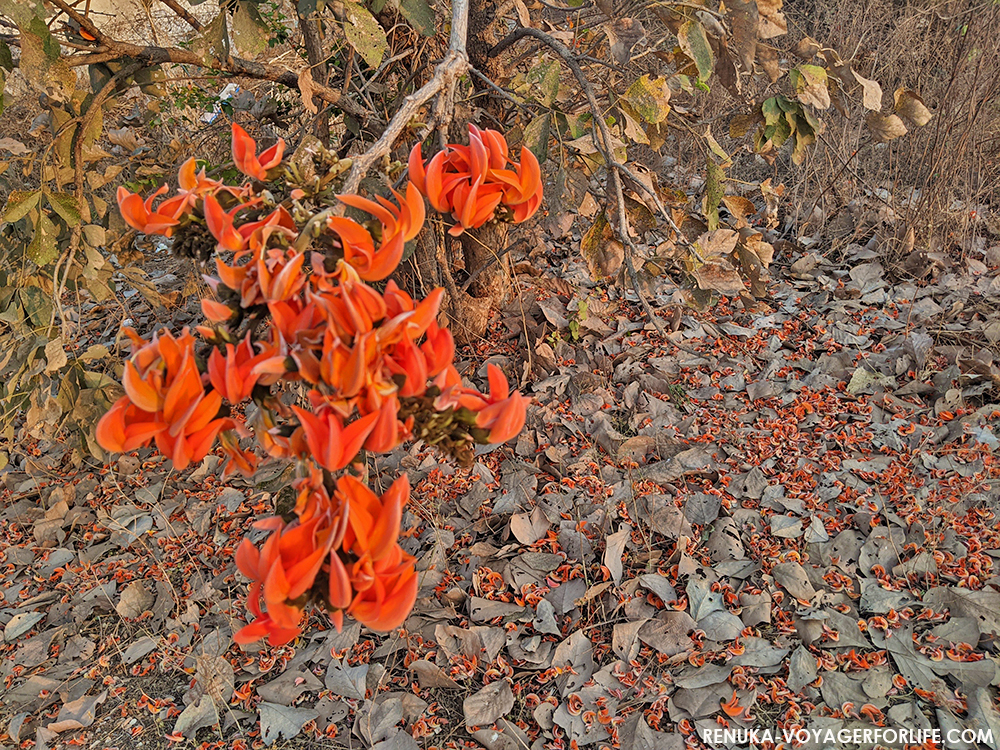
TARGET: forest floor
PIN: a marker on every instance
(789, 521)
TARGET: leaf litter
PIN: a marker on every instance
(790, 521)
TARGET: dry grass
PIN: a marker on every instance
(937, 179)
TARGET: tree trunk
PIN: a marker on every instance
(312, 38)
(481, 247)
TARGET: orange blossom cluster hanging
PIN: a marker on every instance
(375, 366)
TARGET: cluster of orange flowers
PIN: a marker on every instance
(376, 366)
(470, 182)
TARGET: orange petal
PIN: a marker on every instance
(386, 530)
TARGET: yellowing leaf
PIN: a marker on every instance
(649, 98)
(19, 203)
(811, 85)
(250, 33)
(694, 42)
(365, 34)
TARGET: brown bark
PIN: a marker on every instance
(479, 248)
(312, 38)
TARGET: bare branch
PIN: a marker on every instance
(113, 49)
(447, 73)
(604, 145)
(184, 13)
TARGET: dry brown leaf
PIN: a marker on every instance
(489, 704)
(885, 127)
(872, 97)
(306, 90)
(909, 104)
(772, 20)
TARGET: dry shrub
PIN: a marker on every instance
(937, 179)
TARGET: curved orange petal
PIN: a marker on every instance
(415, 166)
(142, 394)
(245, 152)
(110, 431)
(386, 530)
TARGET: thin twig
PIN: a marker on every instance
(490, 262)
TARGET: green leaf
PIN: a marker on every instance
(714, 191)
(650, 99)
(19, 202)
(37, 305)
(419, 14)
(6, 60)
(771, 110)
(543, 82)
(213, 42)
(364, 34)
(536, 136)
(694, 43)
(66, 206)
(250, 33)
(43, 249)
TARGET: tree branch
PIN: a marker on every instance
(184, 13)
(604, 145)
(446, 74)
(113, 49)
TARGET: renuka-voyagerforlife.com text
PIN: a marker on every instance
(857, 735)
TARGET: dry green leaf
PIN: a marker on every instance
(694, 42)
(650, 98)
(810, 84)
(365, 34)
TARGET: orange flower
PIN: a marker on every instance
(385, 592)
(373, 522)
(332, 445)
(470, 182)
(216, 312)
(232, 374)
(220, 224)
(504, 417)
(502, 413)
(399, 225)
(383, 576)
(243, 461)
(126, 427)
(279, 274)
(140, 215)
(192, 185)
(165, 400)
(282, 571)
(438, 349)
(245, 155)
